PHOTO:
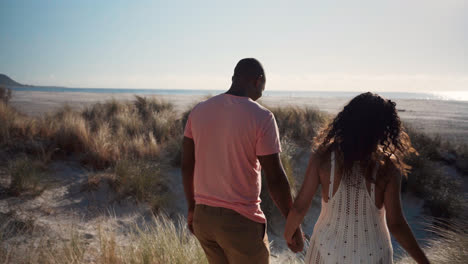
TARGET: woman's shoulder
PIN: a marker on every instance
(321, 157)
(389, 168)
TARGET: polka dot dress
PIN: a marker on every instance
(350, 228)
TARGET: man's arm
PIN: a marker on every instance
(188, 165)
(280, 192)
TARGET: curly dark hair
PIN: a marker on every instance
(368, 124)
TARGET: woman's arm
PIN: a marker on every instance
(303, 199)
(396, 221)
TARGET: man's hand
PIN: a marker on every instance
(190, 220)
(296, 244)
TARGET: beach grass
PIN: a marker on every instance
(297, 127)
(164, 240)
(450, 246)
(107, 134)
(25, 176)
(442, 192)
(5, 94)
(298, 124)
(16, 127)
(142, 180)
(101, 135)
(159, 240)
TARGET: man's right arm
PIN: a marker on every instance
(280, 192)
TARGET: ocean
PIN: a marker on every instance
(450, 96)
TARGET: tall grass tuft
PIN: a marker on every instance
(300, 125)
(442, 192)
(159, 240)
(162, 241)
(71, 132)
(15, 126)
(450, 246)
(5, 94)
(297, 127)
(288, 157)
(142, 180)
(25, 176)
(461, 162)
(101, 135)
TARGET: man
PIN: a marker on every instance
(227, 140)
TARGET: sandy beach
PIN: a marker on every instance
(448, 119)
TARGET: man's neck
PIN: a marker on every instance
(237, 91)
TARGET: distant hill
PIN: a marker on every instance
(7, 81)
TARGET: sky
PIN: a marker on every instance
(398, 45)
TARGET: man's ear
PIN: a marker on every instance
(259, 81)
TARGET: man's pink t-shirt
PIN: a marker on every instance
(229, 133)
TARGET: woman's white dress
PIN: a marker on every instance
(350, 228)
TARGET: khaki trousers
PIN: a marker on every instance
(228, 237)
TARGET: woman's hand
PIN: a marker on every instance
(296, 242)
(292, 232)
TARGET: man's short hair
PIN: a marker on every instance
(248, 68)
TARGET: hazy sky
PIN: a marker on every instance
(397, 45)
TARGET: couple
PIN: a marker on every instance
(358, 161)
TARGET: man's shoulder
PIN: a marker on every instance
(258, 109)
(248, 106)
(204, 103)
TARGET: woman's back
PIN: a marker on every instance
(360, 208)
(351, 228)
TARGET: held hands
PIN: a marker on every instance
(296, 242)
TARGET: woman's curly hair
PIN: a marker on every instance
(367, 124)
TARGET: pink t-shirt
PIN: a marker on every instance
(229, 133)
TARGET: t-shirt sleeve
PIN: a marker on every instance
(268, 141)
(188, 127)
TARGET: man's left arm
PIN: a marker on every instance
(280, 192)
(188, 166)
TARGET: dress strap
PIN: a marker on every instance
(332, 175)
(372, 187)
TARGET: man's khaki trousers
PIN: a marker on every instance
(228, 237)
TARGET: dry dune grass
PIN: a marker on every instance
(101, 134)
(15, 126)
(163, 240)
(300, 125)
(26, 176)
(297, 127)
(442, 192)
(160, 240)
(5, 94)
(450, 246)
(123, 137)
(143, 180)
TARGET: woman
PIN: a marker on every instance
(358, 161)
